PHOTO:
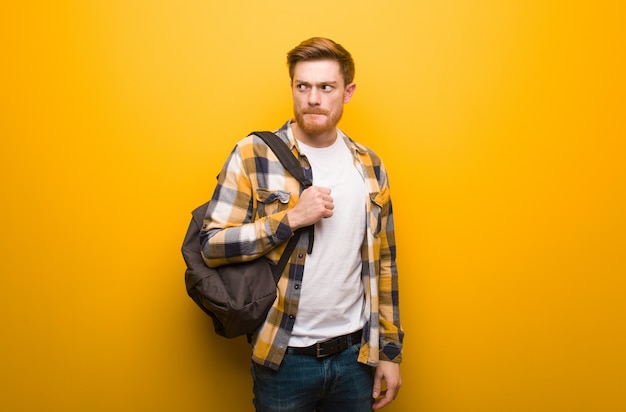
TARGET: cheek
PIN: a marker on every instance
(298, 101)
(336, 106)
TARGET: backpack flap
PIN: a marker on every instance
(236, 296)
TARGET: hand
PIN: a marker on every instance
(314, 204)
(388, 372)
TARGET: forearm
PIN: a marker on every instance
(234, 242)
(232, 230)
(392, 335)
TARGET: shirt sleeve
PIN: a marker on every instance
(389, 310)
(232, 232)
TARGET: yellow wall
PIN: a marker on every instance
(502, 125)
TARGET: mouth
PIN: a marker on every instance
(316, 112)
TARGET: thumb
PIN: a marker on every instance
(377, 386)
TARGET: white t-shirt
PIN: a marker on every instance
(332, 297)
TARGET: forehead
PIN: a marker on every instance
(318, 71)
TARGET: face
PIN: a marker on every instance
(319, 94)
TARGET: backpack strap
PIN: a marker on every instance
(293, 166)
(285, 156)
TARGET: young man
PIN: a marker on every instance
(332, 340)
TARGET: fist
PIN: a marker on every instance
(315, 203)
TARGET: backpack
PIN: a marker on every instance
(238, 296)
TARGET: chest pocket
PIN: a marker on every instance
(271, 201)
(379, 203)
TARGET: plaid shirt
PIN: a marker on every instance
(247, 218)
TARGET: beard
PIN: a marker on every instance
(312, 127)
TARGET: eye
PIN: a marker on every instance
(327, 87)
(301, 86)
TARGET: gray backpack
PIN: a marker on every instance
(238, 296)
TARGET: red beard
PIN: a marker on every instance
(314, 128)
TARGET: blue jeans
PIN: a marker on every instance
(304, 383)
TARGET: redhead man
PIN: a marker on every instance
(332, 340)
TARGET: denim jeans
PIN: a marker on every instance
(304, 383)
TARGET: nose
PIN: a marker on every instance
(314, 97)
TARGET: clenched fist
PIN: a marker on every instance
(315, 203)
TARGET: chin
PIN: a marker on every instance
(316, 128)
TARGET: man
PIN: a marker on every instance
(332, 340)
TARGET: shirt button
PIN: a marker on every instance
(291, 317)
(300, 255)
(296, 286)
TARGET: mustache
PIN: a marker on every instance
(315, 111)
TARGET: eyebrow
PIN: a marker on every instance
(330, 83)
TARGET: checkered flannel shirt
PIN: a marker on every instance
(247, 218)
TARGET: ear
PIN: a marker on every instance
(347, 95)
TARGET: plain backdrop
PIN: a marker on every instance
(502, 125)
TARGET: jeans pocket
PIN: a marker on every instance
(356, 348)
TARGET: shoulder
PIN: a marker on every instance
(254, 145)
(368, 157)
(251, 146)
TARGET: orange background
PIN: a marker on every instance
(502, 125)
